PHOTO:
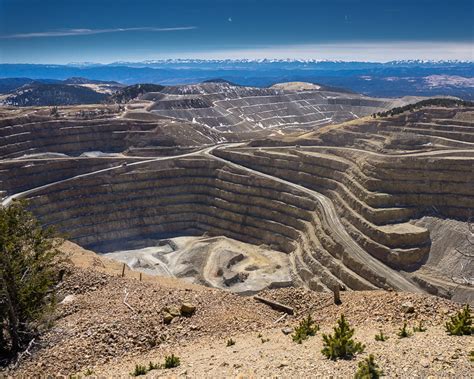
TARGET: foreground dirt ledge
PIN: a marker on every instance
(94, 330)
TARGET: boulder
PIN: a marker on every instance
(173, 311)
(187, 309)
(408, 307)
(167, 318)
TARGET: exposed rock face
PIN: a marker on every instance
(342, 204)
(74, 137)
(227, 107)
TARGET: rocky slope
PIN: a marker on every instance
(106, 324)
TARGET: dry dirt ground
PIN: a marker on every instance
(95, 331)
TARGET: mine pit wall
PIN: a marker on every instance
(424, 182)
(375, 210)
(193, 197)
(71, 137)
(437, 125)
(139, 202)
(373, 238)
(271, 108)
(21, 175)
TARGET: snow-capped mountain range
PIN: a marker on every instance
(390, 79)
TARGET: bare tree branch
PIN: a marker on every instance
(125, 300)
(26, 352)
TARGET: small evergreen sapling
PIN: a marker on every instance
(153, 366)
(306, 328)
(420, 328)
(403, 332)
(341, 344)
(368, 369)
(139, 370)
(230, 342)
(381, 337)
(171, 361)
(461, 323)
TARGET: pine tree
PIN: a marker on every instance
(27, 275)
(341, 344)
(171, 361)
(368, 369)
(461, 323)
(403, 331)
(306, 328)
(381, 337)
(420, 328)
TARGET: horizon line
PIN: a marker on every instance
(242, 60)
(347, 51)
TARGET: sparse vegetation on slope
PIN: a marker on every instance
(85, 324)
(368, 369)
(230, 342)
(381, 337)
(340, 345)
(419, 328)
(461, 323)
(128, 93)
(307, 328)
(403, 332)
(28, 259)
(437, 102)
(171, 361)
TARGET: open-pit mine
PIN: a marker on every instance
(245, 189)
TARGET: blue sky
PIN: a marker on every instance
(61, 31)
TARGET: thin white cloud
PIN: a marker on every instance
(82, 32)
(347, 51)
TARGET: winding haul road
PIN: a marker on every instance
(330, 217)
(7, 201)
(382, 273)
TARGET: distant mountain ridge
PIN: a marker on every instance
(391, 79)
(246, 60)
(128, 93)
(8, 85)
(50, 94)
(73, 91)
